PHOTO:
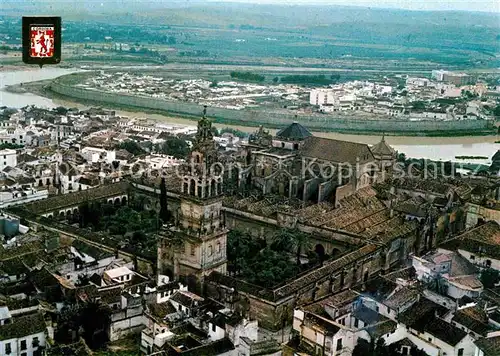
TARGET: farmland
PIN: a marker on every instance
(322, 37)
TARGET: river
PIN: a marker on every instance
(19, 100)
(436, 148)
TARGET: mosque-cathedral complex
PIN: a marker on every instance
(361, 219)
(344, 217)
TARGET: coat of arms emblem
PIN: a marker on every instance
(42, 41)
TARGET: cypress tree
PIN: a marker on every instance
(164, 213)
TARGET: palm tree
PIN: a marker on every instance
(284, 240)
(292, 240)
(95, 320)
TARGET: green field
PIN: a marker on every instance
(313, 36)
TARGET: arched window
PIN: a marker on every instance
(213, 191)
(210, 250)
(192, 188)
(218, 247)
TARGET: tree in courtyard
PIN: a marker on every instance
(68, 324)
(269, 268)
(95, 321)
(132, 147)
(489, 277)
(242, 249)
(174, 146)
(290, 241)
(250, 259)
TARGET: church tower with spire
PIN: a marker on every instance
(196, 244)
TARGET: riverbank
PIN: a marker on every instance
(435, 148)
(42, 88)
(255, 118)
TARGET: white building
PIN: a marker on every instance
(161, 161)
(8, 158)
(118, 275)
(480, 244)
(455, 272)
(438, 75)
(23, 335)
(94, 154)
(13, 197)
(323, 335)
(417, 82)
(322, 97)
(93, 261)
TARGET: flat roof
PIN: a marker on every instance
(117, 272)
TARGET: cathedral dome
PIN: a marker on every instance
(293, 132)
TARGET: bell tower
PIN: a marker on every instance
(196, 244)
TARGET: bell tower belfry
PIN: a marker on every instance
(196, 244)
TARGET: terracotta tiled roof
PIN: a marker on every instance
(402, 297)
(328, 269)
(110, 295)
(336, 151)
(407, 273)
(338, 299)
(470, 282)
(23, 326)
(77, 198)
(473, 318)
(444, 331)
(368, 316)
(391, 229)
(323, 324)
(490, 346)
(414, 206)
(187, 299)
(484, 240)
(161, 310)
(488, 233)
(420, 313)
(425, 185)
(381, 329)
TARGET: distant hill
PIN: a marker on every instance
(225, 29)
(201, 13)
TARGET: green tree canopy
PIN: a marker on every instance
(489, 277)
(132, 147)
(496, 111)
(174, 146)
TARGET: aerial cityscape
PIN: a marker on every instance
(250, 178)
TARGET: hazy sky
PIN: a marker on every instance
(465, 5)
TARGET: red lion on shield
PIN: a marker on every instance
(41, 42)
